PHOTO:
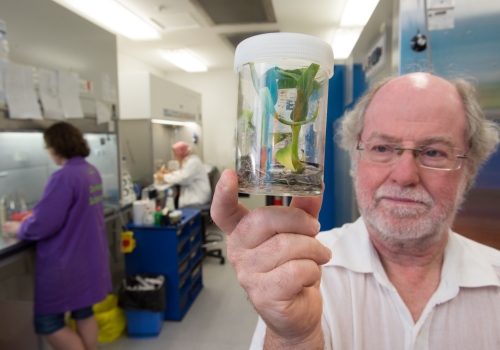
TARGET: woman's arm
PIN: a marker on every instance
(49, 215)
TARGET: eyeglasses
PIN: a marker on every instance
(437, 156)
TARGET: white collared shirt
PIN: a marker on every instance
(363, 310)
(194, 182)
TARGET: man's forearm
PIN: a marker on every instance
(315, 341)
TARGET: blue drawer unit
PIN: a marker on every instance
(174, 251)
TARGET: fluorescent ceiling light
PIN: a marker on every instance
(114, 17)
(357, 12)
(184, 60)
(344, 41)
(169, 122)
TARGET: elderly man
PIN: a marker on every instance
(191, 177)
(398, 277)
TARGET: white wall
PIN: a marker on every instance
(219, 94)
(127, 63)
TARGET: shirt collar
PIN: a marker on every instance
(351, 247)
(465, 264)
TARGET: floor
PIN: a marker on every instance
(220, 318)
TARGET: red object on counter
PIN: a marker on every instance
(20, 216)
(278, 200)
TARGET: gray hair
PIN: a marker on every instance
(482, 135)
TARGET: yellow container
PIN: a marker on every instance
(110, 319)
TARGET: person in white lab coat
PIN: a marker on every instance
(191, 177)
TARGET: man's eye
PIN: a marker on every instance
(434, 153)
(381, 149)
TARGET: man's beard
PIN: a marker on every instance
(414, 227)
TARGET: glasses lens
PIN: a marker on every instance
(439, 157)
(380, 152)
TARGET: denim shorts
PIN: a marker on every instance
(48, 324)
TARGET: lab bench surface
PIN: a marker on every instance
(10, 245)
(173, 251)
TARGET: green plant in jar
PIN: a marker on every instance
(267, 87)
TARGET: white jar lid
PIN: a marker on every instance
(273, 46)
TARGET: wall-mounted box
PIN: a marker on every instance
(146, 96)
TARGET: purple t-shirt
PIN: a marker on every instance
(72, 259)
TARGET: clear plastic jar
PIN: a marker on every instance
(282, 103)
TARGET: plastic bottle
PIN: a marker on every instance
(157, 216)
(22, 205)
(148, 217)
(170, 200)
(11, 208)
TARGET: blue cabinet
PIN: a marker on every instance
(174, 251)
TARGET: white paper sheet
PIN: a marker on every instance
(106, 88)
(3, 72)
(48, 88)
(69, 86)
(103, 112)
(438, 19)
(20, 93)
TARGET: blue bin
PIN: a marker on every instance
(143, 324)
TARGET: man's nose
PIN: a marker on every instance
(406, 171)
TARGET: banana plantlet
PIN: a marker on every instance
(267, 86)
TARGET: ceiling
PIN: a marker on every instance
(187, 25)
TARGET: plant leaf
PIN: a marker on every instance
(284, 157)
(294, 74)
(287, 83)
(306, 81)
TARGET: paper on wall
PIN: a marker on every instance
(3, 72)
(106, 88)
(102, 111)
(20, 92)
(49, 94)
(69, 87)
(440, 14)
(438, 19)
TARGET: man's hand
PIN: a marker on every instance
(163, 170)
(276, 259)
(159, 176)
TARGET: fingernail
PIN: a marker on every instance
(222, 181)
(329, 254)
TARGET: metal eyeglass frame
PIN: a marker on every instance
(416, 153)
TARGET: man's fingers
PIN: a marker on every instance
(285, 247)
(311, 205)
(292, 276)
(226, 211)
(263, 223)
